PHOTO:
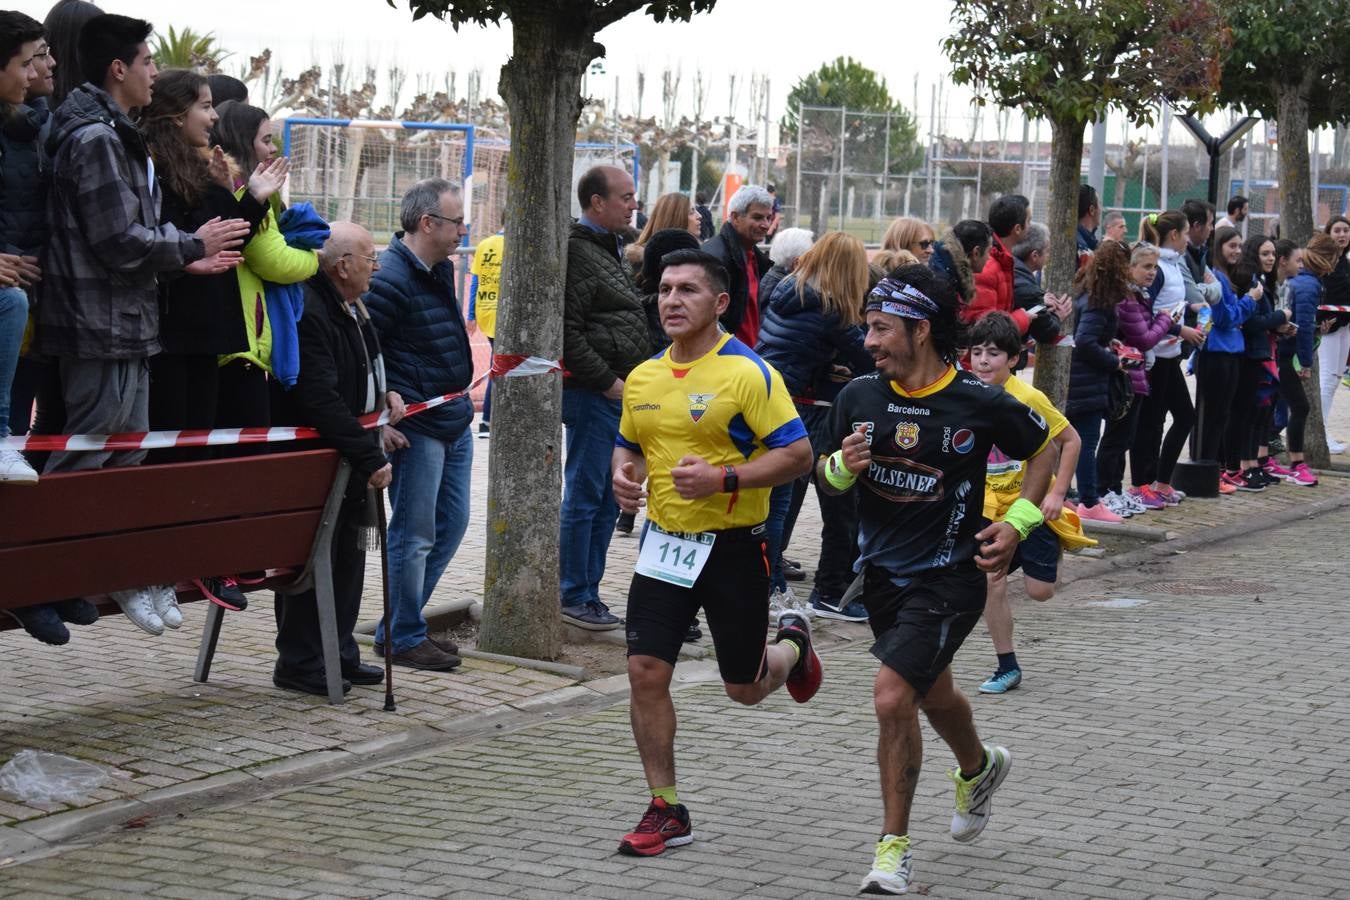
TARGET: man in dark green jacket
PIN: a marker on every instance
(604, 338)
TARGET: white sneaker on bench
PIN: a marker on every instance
(166, 605)
(139, 606)
(14, 469)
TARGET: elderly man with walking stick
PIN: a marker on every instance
(341, 378)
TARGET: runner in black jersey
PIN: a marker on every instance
(915, 438)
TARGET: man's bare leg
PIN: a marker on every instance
(780, 658)
(948, 712)
(899, 747)
(652, 714)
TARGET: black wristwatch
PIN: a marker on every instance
(731, 482)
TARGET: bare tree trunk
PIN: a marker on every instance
(1066, 164)
(1315, 430)
(1296, 223)
(1296, 212)
(520, 588)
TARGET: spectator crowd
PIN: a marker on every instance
(152, 279)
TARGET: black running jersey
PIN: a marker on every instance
(920, 503)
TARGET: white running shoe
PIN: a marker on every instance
(973, 796)
(1334, 446)
(139, 606)
(1133, 503)
(781, 602)
(166, 605)
(892, 867)
(1116, 504)
(14, 469)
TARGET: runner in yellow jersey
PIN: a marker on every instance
(711, 429)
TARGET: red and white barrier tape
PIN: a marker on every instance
(502, 367)
(510, 365)
(1333, 308)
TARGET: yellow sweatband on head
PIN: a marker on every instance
(837, 474)
(1024, 515)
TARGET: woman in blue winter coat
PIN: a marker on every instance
(1296, 351)
(812, 333)
(1219, 362)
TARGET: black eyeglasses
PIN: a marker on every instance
(456, 222)
(924, 245)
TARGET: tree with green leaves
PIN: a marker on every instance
(187, 49)
(553, 43)
(1069, 61)
(844, 136)
(1292, 67)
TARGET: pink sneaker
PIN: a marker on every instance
(1169, 496)
(1302, 475)
(1098, 513)
(1146, 496)
(1279, 471)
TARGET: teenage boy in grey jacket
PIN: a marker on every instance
(99, 311)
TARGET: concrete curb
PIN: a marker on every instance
(442, 616)
(1126, 529)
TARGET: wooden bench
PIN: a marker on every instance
(83, 534)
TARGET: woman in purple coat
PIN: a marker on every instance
(1140, 328)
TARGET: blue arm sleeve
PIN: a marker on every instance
(473, 298)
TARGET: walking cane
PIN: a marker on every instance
(384, 584)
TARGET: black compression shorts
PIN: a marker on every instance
(733, 591)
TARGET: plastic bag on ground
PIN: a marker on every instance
(34, 776)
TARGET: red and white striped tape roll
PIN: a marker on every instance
(511, 367)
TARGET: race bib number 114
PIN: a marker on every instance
(674, 557)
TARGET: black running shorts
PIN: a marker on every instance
(733, 591)
(918, 628)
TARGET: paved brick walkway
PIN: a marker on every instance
(1174, 737)
(126, 701)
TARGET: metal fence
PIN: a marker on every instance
(358, 170)
(854, 171)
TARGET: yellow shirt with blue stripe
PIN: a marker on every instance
(728, 407)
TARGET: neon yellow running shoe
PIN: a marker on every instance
(973, 797)
(892, 867)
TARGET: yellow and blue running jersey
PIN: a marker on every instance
(728, 407)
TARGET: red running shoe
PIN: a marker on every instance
(804, 679)
(662, 826)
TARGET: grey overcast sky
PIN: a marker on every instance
(783, 40)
